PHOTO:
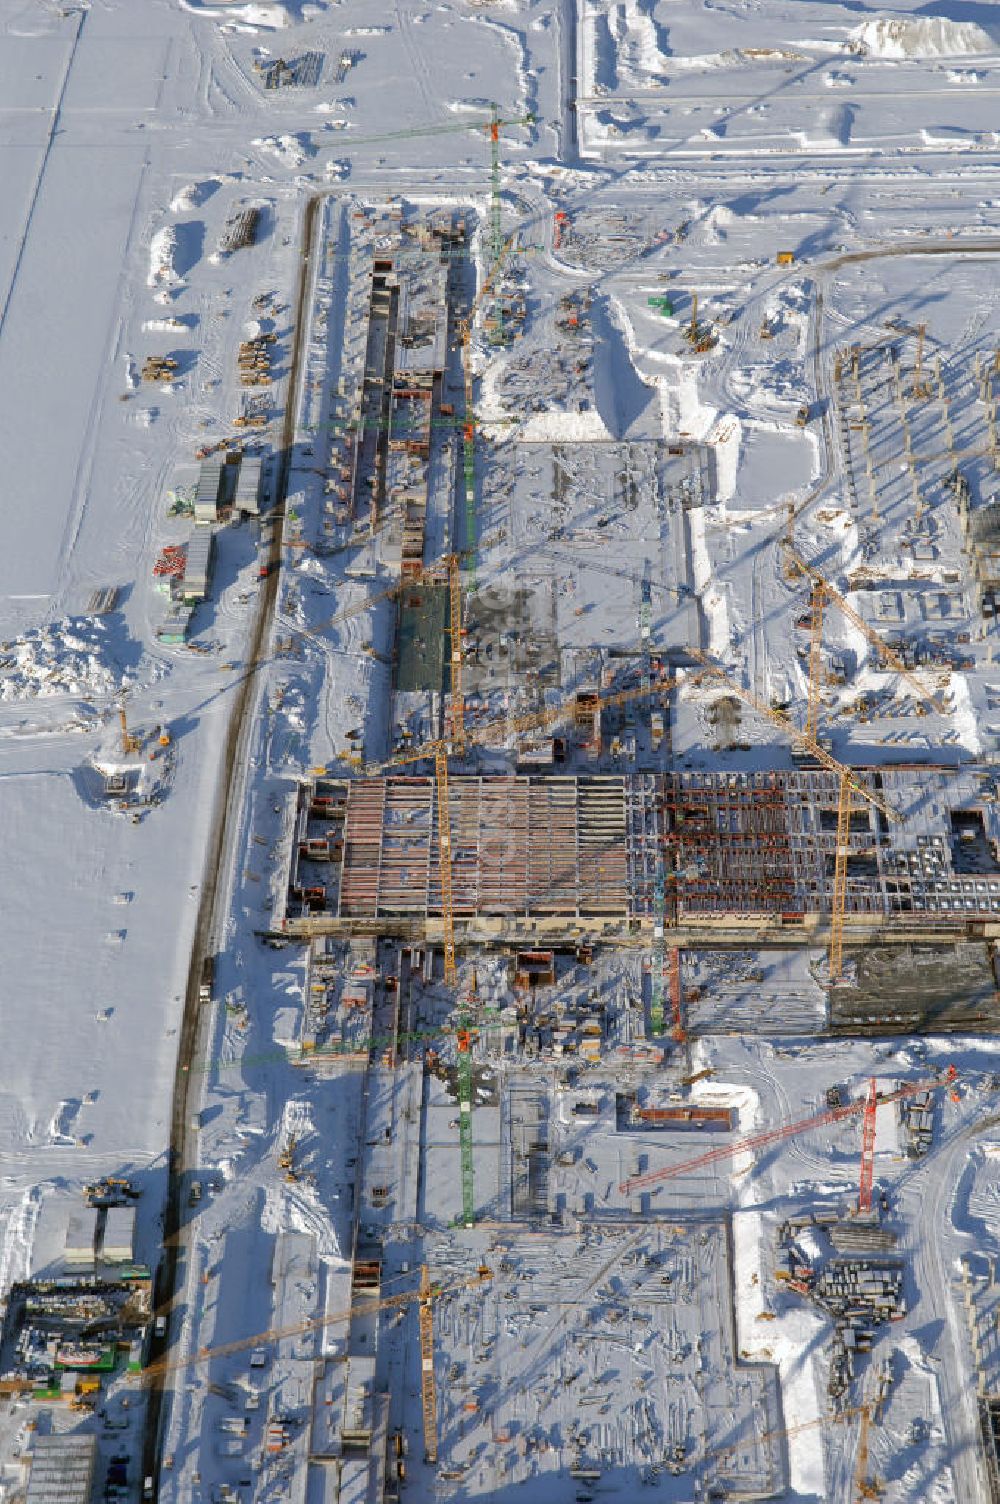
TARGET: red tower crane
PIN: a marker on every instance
(868, 1148)
(783, 1131)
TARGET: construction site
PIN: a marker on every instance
(566, 878)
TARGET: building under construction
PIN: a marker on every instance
(557, 856)
(384, 449)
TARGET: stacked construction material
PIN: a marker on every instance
(158, 368)
(254, 360)
(240, 230)
(169, 566)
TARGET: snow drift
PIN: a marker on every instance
(162, 249)
(918, 36)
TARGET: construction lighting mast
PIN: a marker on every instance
(920, 388)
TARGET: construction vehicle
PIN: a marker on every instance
(699, 336)
(286, 1158)
(131, 741)
(785, 258)
(110, 1190)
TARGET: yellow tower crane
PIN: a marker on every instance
(503, 728)
(363, 1306)
(823, 591)
(430, 574)
(428, 1388)
(455, 633)
(787, 725)
(849, 786)
(439, 750)
(817, 606)
(865, 1486)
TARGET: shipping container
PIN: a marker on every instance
(206, 496)
(248, 487)
(198, 568)
(119, 1235)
